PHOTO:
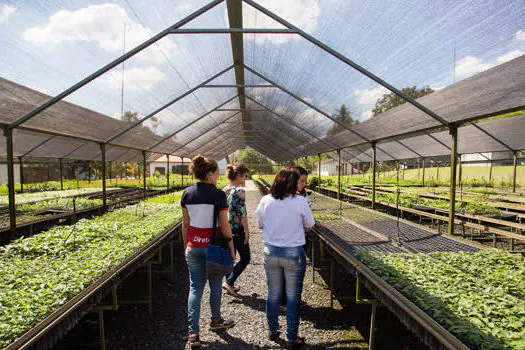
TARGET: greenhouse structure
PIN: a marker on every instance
(233, 74)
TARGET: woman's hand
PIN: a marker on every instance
(246, 237)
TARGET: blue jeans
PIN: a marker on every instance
(196, 259)
(244, 253)
(284, 264)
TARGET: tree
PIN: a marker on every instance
(133, 117)
(255, 161)
(130, 117)
(391, 100)
(342, 115)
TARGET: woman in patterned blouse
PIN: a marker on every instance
(238, 222)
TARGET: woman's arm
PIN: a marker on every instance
(246, 229)
(226, 230)
(185, 225)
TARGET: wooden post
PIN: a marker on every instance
(453, 165)
(373, 176)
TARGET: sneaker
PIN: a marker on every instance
(229, 289)
(194, 341)
(223, 323)
(298, 343)
(274, 336)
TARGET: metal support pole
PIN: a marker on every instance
(423, 171)
(182, 171)
(89, 171)
(514, 171)
(21, 165)
(490, 173)
(8, 133)
(61, 174)
(371, 341)
(319, 174)
(144, 172)
(104, 194)
(150, 291)
(101, 329)
(313, 260)
(460, 171)
(374, 175)
(338, 174)
(332, 280)
(167, 172)
(453, 165)
(397, 169)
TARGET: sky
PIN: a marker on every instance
(50, 45)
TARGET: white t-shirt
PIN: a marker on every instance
(283, 221)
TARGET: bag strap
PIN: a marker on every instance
(215, 218)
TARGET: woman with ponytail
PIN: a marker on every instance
(198, 204)
(238, 219)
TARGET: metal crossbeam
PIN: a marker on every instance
(314, 108)
(233, 30)
(114, 63)
(347, 61)
(37, 146)
(294, 124)
(193, 122)
(476, 125)
(238, 86)
(204, 133)
(178, 98)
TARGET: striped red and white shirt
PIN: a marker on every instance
(199, 199)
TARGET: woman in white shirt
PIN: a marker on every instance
(283, 215)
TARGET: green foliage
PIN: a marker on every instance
(342, 115)
(477, 296)
(256, 162)
(391, 100)
(41, 273)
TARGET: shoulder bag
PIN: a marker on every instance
(219, 261)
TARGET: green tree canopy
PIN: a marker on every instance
(255, 161)
(342, 115)
(391, 100)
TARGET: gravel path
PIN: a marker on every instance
(346, 326)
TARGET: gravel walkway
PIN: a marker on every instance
(345, 326)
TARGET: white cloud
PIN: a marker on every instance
(101, 24)
(39, 89)
(134, 78)
(301, 13)
(365, 115)
(510, 56)
(520, 35)
(5, 12)
(308, 99)
(370, 96)
(471, 65)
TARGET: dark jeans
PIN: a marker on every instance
(245, 255)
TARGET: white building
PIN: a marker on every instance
(160, 164)
(329, 167)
